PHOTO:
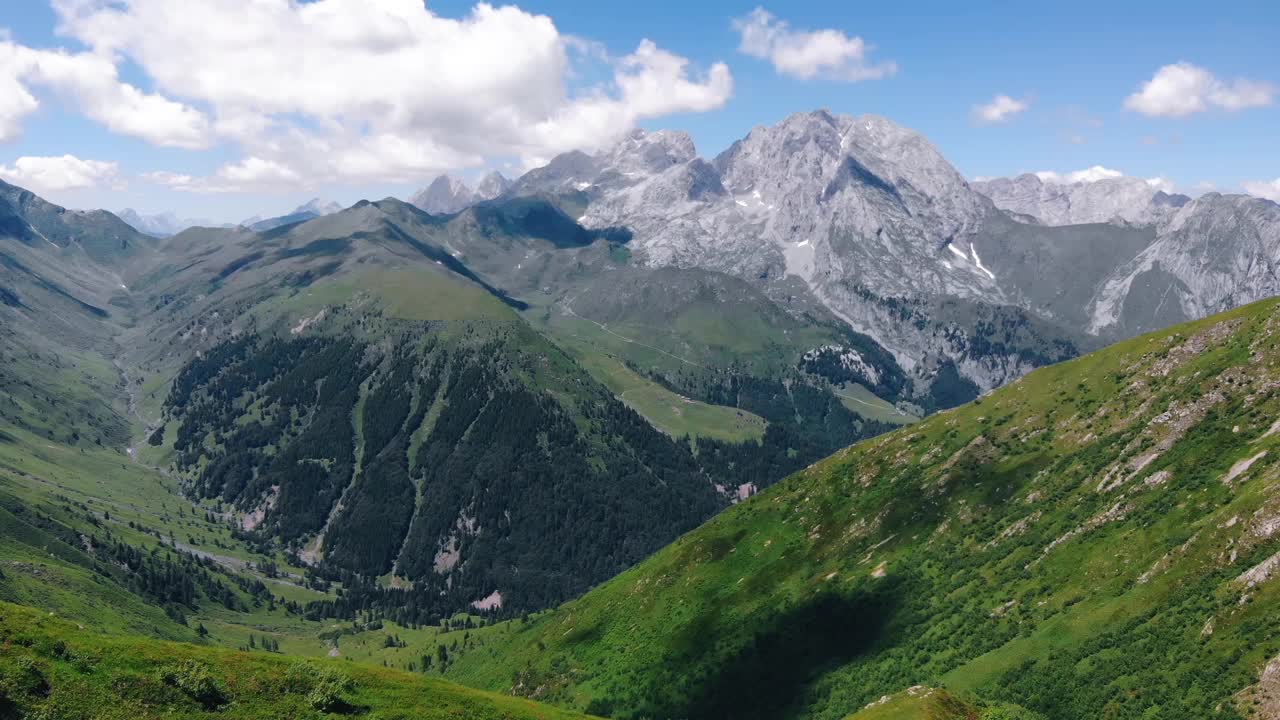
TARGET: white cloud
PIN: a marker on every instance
(17, 105)
(651, 82)
(1000, 109)
(90, 83)
(808, 54)
(248, 175)
(1263, 189)
(1183, 89)
(352, 91)
(1098, 173)
(1088, 175)
(54, 174)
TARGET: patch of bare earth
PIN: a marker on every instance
(1241, 468)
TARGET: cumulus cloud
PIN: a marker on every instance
(1098, 173)
(1088, 175)
(1001, 109)
(1183, 89)
(17, 105)
(808, 54)
(1263, 189)
(352, 91)
(91, 84)
(67, 172)
(252, 173)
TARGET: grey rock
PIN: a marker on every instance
(1215, 253)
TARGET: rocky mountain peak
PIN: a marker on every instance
(647, 153)
(819, 146)
(492, 185)
(574, 170)
(318, 206)
(444, 196)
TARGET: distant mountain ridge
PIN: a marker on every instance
(165, 224)
(310, 210)
(447, 195)
(1096, 200)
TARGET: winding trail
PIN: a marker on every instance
(568, 306)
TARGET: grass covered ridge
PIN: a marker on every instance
(1095, 540)
(50, 668)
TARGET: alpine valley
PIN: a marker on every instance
(633, 431)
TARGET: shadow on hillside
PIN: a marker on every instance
(791, 650)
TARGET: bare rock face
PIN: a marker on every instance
(1110, 199)
(808, 197)
(1216, 252)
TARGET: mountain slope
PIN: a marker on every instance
(462, 451)
(400, 467)
(1215, 252)
(1098, 539)
(363, 398)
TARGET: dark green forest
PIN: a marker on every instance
(450, 455)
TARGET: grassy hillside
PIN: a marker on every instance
(409, 425)
(50, 668)
(1096, 540)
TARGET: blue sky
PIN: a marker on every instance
(1071, 66)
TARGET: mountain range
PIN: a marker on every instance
(870, 221)
(447, 195)
(310, 210)
(594, 403)
(1100, 198)
(163, 225)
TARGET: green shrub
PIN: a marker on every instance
(197, 682)
(324, 686)
(1009, 712)
(24, 678)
